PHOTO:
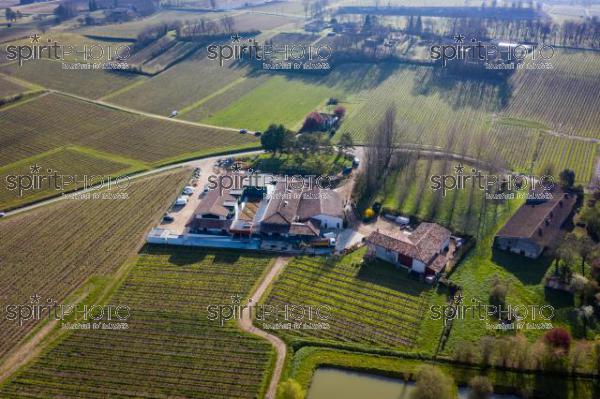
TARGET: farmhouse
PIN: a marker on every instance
(536, 225)
(422, 251)
(301, 212)
(270, 213)
(215, 213)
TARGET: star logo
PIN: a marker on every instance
(35, 38)
(459, 38)
(236, 299)
(236, 167)
(35, 168)
(235, 38)
(35, 298)
(459, 169)
(458, 298)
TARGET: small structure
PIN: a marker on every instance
(215, 213)
(536, 225)
(422, 251)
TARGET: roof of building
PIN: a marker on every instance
(213, 203)
(289, 205)
(304, 229)
(539, 221)
(438, 264)
(423, 245)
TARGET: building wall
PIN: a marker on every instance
(383, 254)
(520, 246)
(329, 222)
(418, 266)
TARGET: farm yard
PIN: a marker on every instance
(170, 348)
(51, 251)
(370, 304)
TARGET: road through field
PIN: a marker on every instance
(245, 324)
(147, 114)
(204, 164)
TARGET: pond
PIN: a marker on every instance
(330, 383)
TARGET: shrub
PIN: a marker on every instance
(481, 388)
(290, 389)
(432, 383)
(339, 111)
(314, 121)
(558, 338)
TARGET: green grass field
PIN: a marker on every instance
(373, 304)
(409, 192)
(288, 98)
(53, 250)
(170, 349)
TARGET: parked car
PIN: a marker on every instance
(257, 134)
(355, 162)
(2, 214)
(173, 114)
(243, 131)
(168, 218)
(181, 201)
(188, 190)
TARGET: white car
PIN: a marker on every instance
(188, 190)
(181, 201)
(2, 214)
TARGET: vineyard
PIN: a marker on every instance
(427, 110)
(370, 304)
(573, 111)
(65, 162)
(216, 102)
(91, 83)
(181, 85)
(47, 122)
(560, 153)
(52, 250)
(170, 349)
(8, 88)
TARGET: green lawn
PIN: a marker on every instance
(409, 191)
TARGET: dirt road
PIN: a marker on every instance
(246, 324)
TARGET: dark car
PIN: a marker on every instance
(243, 131)
(168, 218)
(257, 134)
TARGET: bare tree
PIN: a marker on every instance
(228, 23)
